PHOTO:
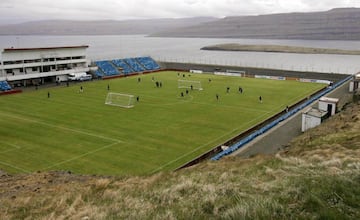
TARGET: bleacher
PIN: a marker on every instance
(128, 66)
(107, 68)
(4, 86)
(120, 63)
(134, 64)
(148, 63)
(99, 73)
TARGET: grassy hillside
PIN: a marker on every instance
(278, 49)
(76, 131)
(317, 177)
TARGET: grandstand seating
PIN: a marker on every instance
(148, 63)
(4, 86)
(120, 63)
(107, 68)
(99, 73)
(134, 64)
(128, 66)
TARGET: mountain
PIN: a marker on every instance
(100, 27)
(336, 24)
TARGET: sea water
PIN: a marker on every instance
(189, 50)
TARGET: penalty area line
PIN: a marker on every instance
(81, 155)
(14, 147)
(15, 167)
(61, 127)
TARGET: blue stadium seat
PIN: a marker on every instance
(148, 63)
(134, 64)
(4, 86)
(107, 68)
(128, 66)
(99, 73)
(121, 63)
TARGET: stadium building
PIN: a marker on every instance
(35, 66)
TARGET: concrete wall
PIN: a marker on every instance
(254, 71)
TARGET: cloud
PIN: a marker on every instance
(119, 10)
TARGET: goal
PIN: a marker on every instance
(120, 99)
(188, 84)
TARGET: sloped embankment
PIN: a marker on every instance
(317, 176)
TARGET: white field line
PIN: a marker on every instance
(61, 127)
(14, 147)
(15, 167)
(210, 142)
(9, 150)
(81, 155)
(201, 103)
(178, 101)
(239, 107)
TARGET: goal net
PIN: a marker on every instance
(119, 99)
(188, 84)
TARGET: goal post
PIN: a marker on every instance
(120, 99)
(189, 84)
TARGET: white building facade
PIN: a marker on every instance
(33, 66)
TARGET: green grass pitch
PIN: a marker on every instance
(78, 132)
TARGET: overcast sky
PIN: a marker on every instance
(15, 11)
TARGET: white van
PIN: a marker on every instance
(79, 76)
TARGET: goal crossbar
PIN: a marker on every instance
(189, 84)
(120, 99)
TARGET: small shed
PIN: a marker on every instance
(354, 83)
(312, 117)
(328, 104)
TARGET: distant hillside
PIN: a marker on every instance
(279, 49)
(336, 24)
(105, 27)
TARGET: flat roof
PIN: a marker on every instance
(315, 112)
(43, 48)
(327, 99)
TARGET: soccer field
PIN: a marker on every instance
(76, 131)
